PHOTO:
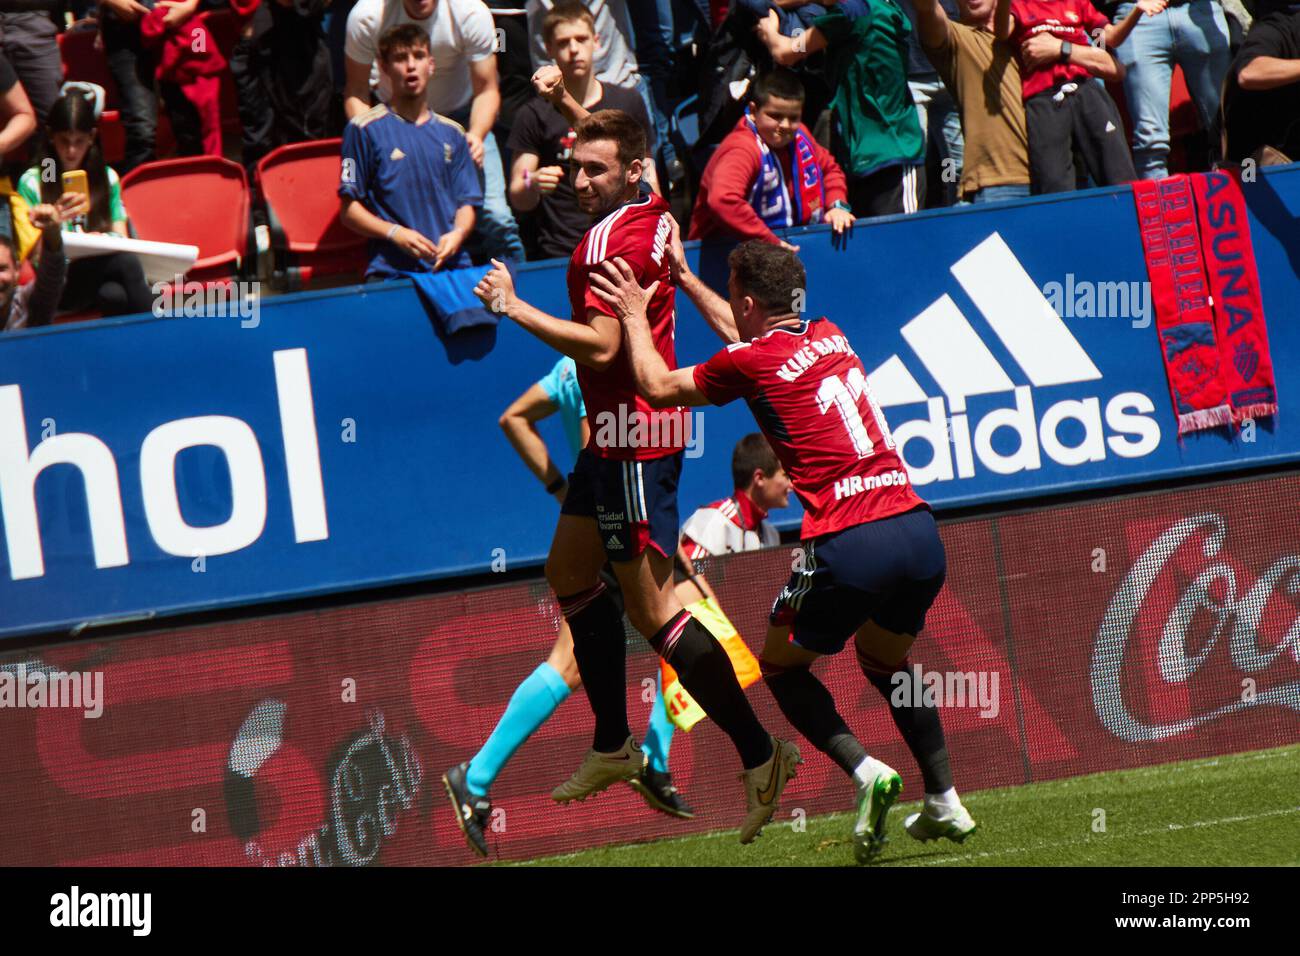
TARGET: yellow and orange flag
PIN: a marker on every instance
(683, 710)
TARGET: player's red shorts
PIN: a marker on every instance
(634, 502)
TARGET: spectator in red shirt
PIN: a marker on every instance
(769, 173)
(1064, 110)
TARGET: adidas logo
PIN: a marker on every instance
(962, 365)
(396, 154)
(613, 542)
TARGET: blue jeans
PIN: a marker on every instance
(941, 124)
(652, 23)
(496, 233)
(1195, 36)
(1000, 193)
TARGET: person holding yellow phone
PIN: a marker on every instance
(72, 163)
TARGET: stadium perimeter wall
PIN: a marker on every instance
(358, 449)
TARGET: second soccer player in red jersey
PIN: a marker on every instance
(622, 497)
(873, 561)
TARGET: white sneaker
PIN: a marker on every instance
(875, 797)
(936, 823)
(763, 787)
(599, 771)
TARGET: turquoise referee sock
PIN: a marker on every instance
(531, 704)
(658, 734)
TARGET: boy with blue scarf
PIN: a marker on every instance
(769, 173)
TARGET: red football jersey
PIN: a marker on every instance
(1073, 20)
(623, 424)
(809, 392)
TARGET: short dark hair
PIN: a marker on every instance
(780, 82)
(771, 274)
(404, 36)
(752, 452)
(566, 11)
(626, 133)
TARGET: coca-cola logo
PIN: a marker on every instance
(1181, 653)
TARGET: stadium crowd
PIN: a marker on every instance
(761, 114)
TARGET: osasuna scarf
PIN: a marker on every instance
(768, 196)
(1206, 293)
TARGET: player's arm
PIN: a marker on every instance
(714, 308)
(595, 344)
(660, 385)
(519, 422)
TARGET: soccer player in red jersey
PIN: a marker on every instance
(873, 561)
(622, 498)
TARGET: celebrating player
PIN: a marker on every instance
(622, 498)
(873, 560)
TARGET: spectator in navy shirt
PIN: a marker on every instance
(408, 182)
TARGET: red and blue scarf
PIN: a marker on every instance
(1205, 288)
(769, 197)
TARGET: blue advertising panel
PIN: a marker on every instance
(334, 440)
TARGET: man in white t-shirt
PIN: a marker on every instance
(462, 41)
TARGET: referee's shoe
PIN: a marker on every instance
(473, 812)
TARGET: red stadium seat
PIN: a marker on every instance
(201, 200)
(299, 184)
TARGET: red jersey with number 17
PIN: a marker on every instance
(623, 424)
(809, 393)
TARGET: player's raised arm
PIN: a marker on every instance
(712, 306)
(595, 344)
(660, 385)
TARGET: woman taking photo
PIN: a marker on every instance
(113, 284)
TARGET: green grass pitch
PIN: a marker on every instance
(1236, 810)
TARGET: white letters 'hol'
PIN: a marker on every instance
(232, 436)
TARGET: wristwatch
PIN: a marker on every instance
(1066, 47)
(841, 204)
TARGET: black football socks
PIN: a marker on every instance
(705, 671)
(600, 648)
(919, 724)
(809, 707)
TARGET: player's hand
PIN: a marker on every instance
(1152, 7)
(496, 289)
(676, 251)
(785, 245)
(178, 11)
(475, 149)
(413, 244)
(1040, 49)
(621, 292)
(548, 82)
(545, 180)
(840, 220)
(448, 246)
